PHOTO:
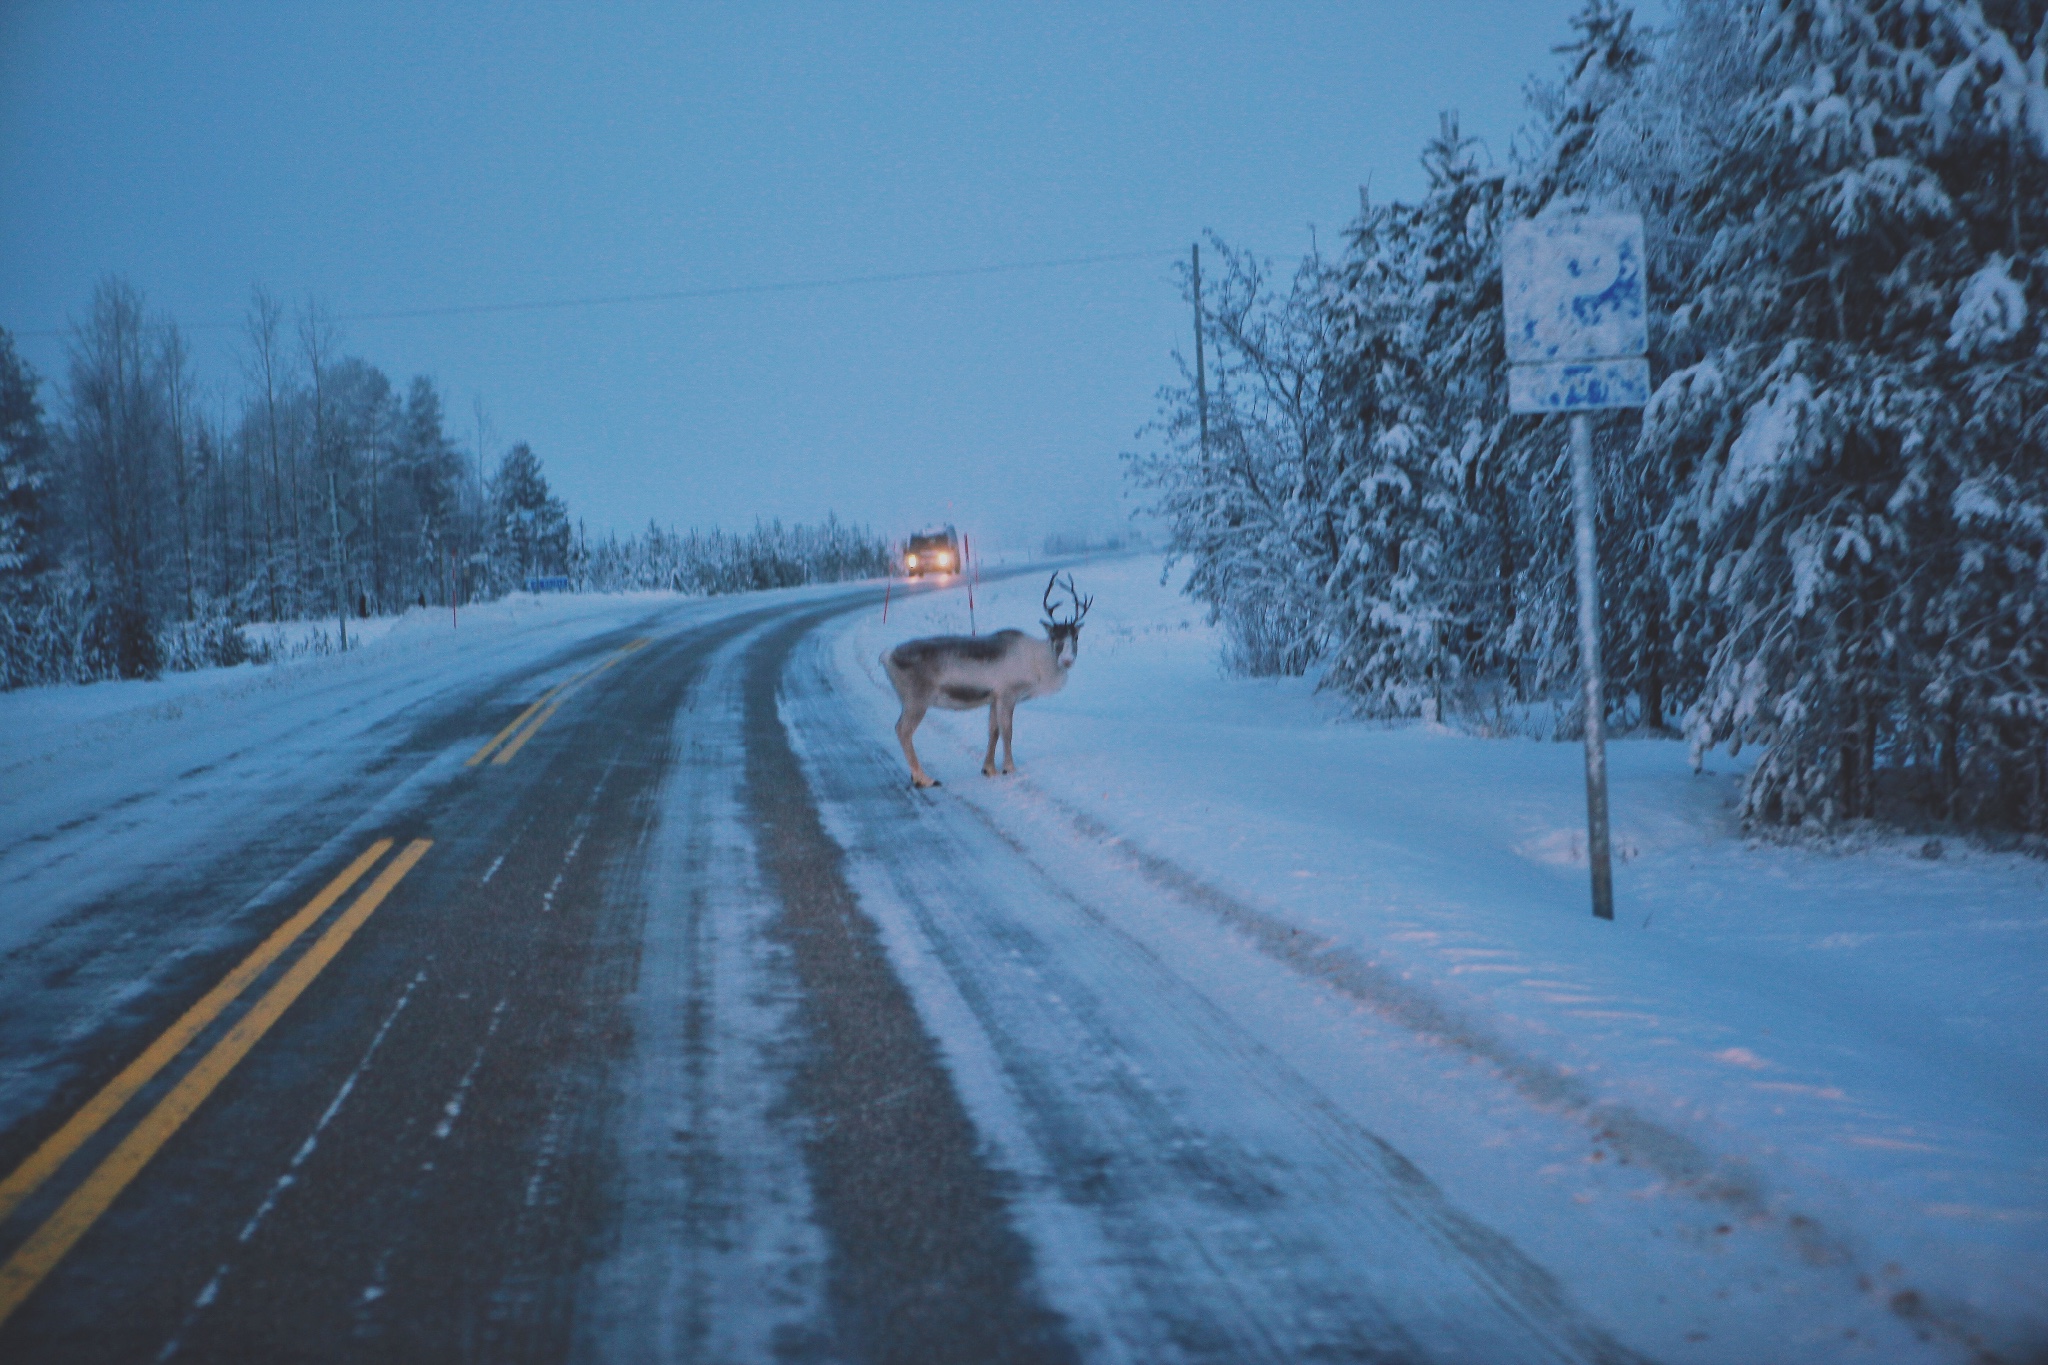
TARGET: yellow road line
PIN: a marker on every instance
(36, 1257)
(505, 754)
(481, 754)
(80, 1127)
(561, 687)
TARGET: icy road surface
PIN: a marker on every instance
(586, 982)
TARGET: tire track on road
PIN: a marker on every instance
(926, 1263)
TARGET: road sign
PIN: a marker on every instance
(1574, 288)
(1579, 385)
(1577, 319)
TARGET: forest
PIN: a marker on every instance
(150, 518)
(1824, 543)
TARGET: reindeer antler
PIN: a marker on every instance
(1080, 604)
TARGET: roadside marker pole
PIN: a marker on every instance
(967, 556)
(888, 584)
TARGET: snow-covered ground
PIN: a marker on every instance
(417, 646)
(107, 784)
(1804, 1085)
(1823, 1059)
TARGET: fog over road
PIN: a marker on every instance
(629, 1005)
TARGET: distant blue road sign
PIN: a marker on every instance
(1577, 313)
(554, 584)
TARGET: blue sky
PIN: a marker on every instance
(386, 156)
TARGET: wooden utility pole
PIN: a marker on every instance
(1201, 367)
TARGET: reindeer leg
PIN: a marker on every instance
(1009, 703)
(906, 726)
(995, 724)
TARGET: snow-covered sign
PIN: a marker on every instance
(1579, 385)
(1577, 313)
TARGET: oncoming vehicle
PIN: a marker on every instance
(932, 552)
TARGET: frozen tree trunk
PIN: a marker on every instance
(261, 329)
(177, 389)
(1653, 660)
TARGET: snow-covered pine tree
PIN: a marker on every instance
(1425, 595)
(24, 518)
(1859, 546)
(24, 473)
(428, 487)
(529, 525)
(1981, 728)
(1383, 621)
(1463, 380)
(1585, 151)
(1595, 148)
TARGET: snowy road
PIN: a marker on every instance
(690, 1032)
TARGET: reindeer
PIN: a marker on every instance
(963, 672)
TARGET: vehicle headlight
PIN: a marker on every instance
(911, 560)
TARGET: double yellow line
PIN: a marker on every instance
(47, 1245)
(552, 699)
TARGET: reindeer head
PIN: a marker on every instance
(1065, 635)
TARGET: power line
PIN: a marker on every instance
(708, 292)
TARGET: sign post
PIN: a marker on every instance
(1578, 342)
